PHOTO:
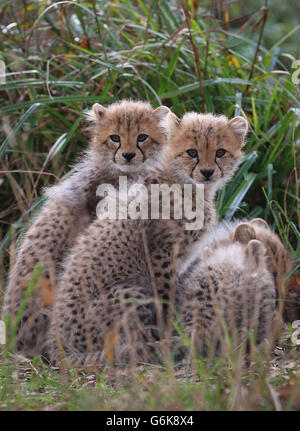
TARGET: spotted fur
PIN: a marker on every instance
(71, 206)
(91, 273)
(236, 282)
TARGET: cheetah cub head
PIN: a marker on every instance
(206, 147)
(126, 134)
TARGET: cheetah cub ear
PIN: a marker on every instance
(161, 112)
(239, 126)
(96, 113)
(255, 254)
(98, 110)
(244, 233)
(170, 124)
(260, 223)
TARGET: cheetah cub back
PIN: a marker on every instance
(125, 140)
(234, 282)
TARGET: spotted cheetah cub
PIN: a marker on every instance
(201, 149)
(125, 140)
(234, 284)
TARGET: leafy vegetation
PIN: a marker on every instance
(60, 58)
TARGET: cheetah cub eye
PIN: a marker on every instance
(115, 138)
(192, 153)
(142, 137)
(220, 153)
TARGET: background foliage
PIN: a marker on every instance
(232, 57)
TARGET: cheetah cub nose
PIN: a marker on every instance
(207, 172)
(128, 156)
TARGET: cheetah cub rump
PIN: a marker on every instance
(235, 282)
(111, 253)
(279, 264)
(125, 140)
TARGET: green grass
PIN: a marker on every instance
(62, 58)
(221, 384)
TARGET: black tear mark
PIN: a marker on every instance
(222, 173)
(114, 158)
(144, 157)
(197, 162)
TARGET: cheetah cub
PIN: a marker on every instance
(203, 149)
(110, 256)
(125, 140)
(235, 282)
